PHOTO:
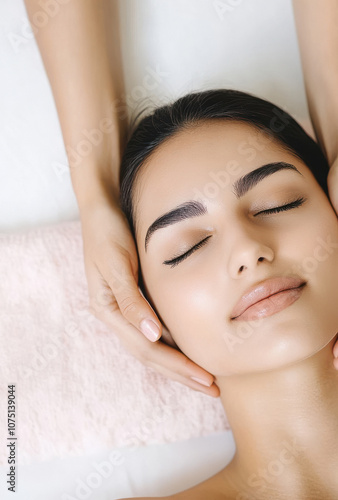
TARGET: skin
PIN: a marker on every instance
(316, 26)
(81, 35)
(277, 381)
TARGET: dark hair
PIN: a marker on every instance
(220, 104)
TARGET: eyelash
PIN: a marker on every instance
(289, 206)
(176, 260)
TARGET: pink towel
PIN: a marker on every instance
(77, 389)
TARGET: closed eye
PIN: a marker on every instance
(289, 206)
(176, 260)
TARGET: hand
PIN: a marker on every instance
(332, 182)
(111, 265)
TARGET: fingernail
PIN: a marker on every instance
(150, 329)
(201, 381)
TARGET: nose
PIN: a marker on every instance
(249, 251)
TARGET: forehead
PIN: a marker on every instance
(187, 164)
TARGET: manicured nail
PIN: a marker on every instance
(201, 381)
(150, 329)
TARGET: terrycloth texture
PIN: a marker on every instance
(77, 389)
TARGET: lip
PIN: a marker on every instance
(268, 297)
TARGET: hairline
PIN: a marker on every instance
(194, 125)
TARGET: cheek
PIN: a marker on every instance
(320, 268)
(318, 247)
(309, 324)
(183, 301)
(189, 306)
(194, 305)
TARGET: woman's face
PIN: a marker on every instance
(231, 243)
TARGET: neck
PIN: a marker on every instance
(285, 425)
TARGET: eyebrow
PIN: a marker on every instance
(192, 208)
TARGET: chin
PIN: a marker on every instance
(274, 342)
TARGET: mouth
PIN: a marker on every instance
(268, 298)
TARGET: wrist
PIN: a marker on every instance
(95, 174)
(92, 184)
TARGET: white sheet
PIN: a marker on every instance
(154, 470)
(189, 45)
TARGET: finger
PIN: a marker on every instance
(175, 365)
(335, 349)
(100, 294)
(335, 363)
(161, 357)
(212, 391)
(171, 362)
(116, 287)
(332, 182)
(132, 304)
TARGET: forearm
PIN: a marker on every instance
(316, 23)
(87, 85)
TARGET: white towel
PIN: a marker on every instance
(77, 389)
